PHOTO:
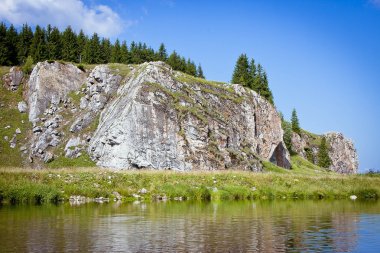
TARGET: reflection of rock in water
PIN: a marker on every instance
(345, 237)
(277, 226)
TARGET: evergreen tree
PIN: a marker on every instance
(252, 76)
(324, 160)
(92, 51)
(264, 89)
(86, 53)
(309, 155)
(116, 52)
(11, 43)
(125, 56)
(241, 71)
(287, 127)
(105, 49)
(54, 44)
(28, 65)
(135, 53)
(200, 72)
(81, 42)
(69, 45)
(174, 60)
(38, 45)
(162, 54)
(25, 38)
(191, 69)
(3, 44)
(295, 123)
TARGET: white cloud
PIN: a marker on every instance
(375, 2)
(100, 18)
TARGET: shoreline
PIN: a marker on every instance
(27, 186)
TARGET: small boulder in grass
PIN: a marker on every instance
(143, 191)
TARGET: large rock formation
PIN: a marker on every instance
(158, 118)
(166, 120)
(50, 83)
(342, 152)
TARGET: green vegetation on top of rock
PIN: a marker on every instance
(252, 76)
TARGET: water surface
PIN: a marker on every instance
(268, 226)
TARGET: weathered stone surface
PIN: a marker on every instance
(342, 153)
(158, 121)
(82, 121)
(50, 83)
(101, 84)
(298, 144)
(12, 80)
(341, 150)
(22, 107)
(48, 157)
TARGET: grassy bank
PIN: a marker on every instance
(43, 186)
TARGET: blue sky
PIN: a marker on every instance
(322, 57)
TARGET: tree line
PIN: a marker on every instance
(51, 44)
(252, 76)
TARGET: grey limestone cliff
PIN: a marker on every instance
(153, 117)
(167, 120)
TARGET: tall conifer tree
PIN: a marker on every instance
(25, 38)
(241, 71)
(324, 159)
(295, 123)
(69, 45)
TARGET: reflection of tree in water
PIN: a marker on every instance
(277, 226)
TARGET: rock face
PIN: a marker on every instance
(159, 118)
(167, 120)
(342, 153)
(13, 79)
(50, 83)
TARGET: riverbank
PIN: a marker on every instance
(29, 186)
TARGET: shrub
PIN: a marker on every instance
(81, 67)
(28, 65)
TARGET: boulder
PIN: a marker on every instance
(22, 107)
(50, 83)
(12, 80)
(342, 152)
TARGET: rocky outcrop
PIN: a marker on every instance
(50, 83)
(12, 80)
(162, 119)
(167, 120)
(342, 152)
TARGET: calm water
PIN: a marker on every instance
(278, 226)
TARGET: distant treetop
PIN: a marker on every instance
(252, 76)
(52, 44)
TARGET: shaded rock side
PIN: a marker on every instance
(164, 119)
(50, 83)
(342, 152)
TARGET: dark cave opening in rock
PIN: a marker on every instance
(279, 157)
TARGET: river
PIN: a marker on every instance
(260, 226)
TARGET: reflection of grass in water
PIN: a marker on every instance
(29, 186)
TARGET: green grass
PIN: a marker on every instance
(63, 162)
(10, 116)
(28, 186)
(120, 69)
